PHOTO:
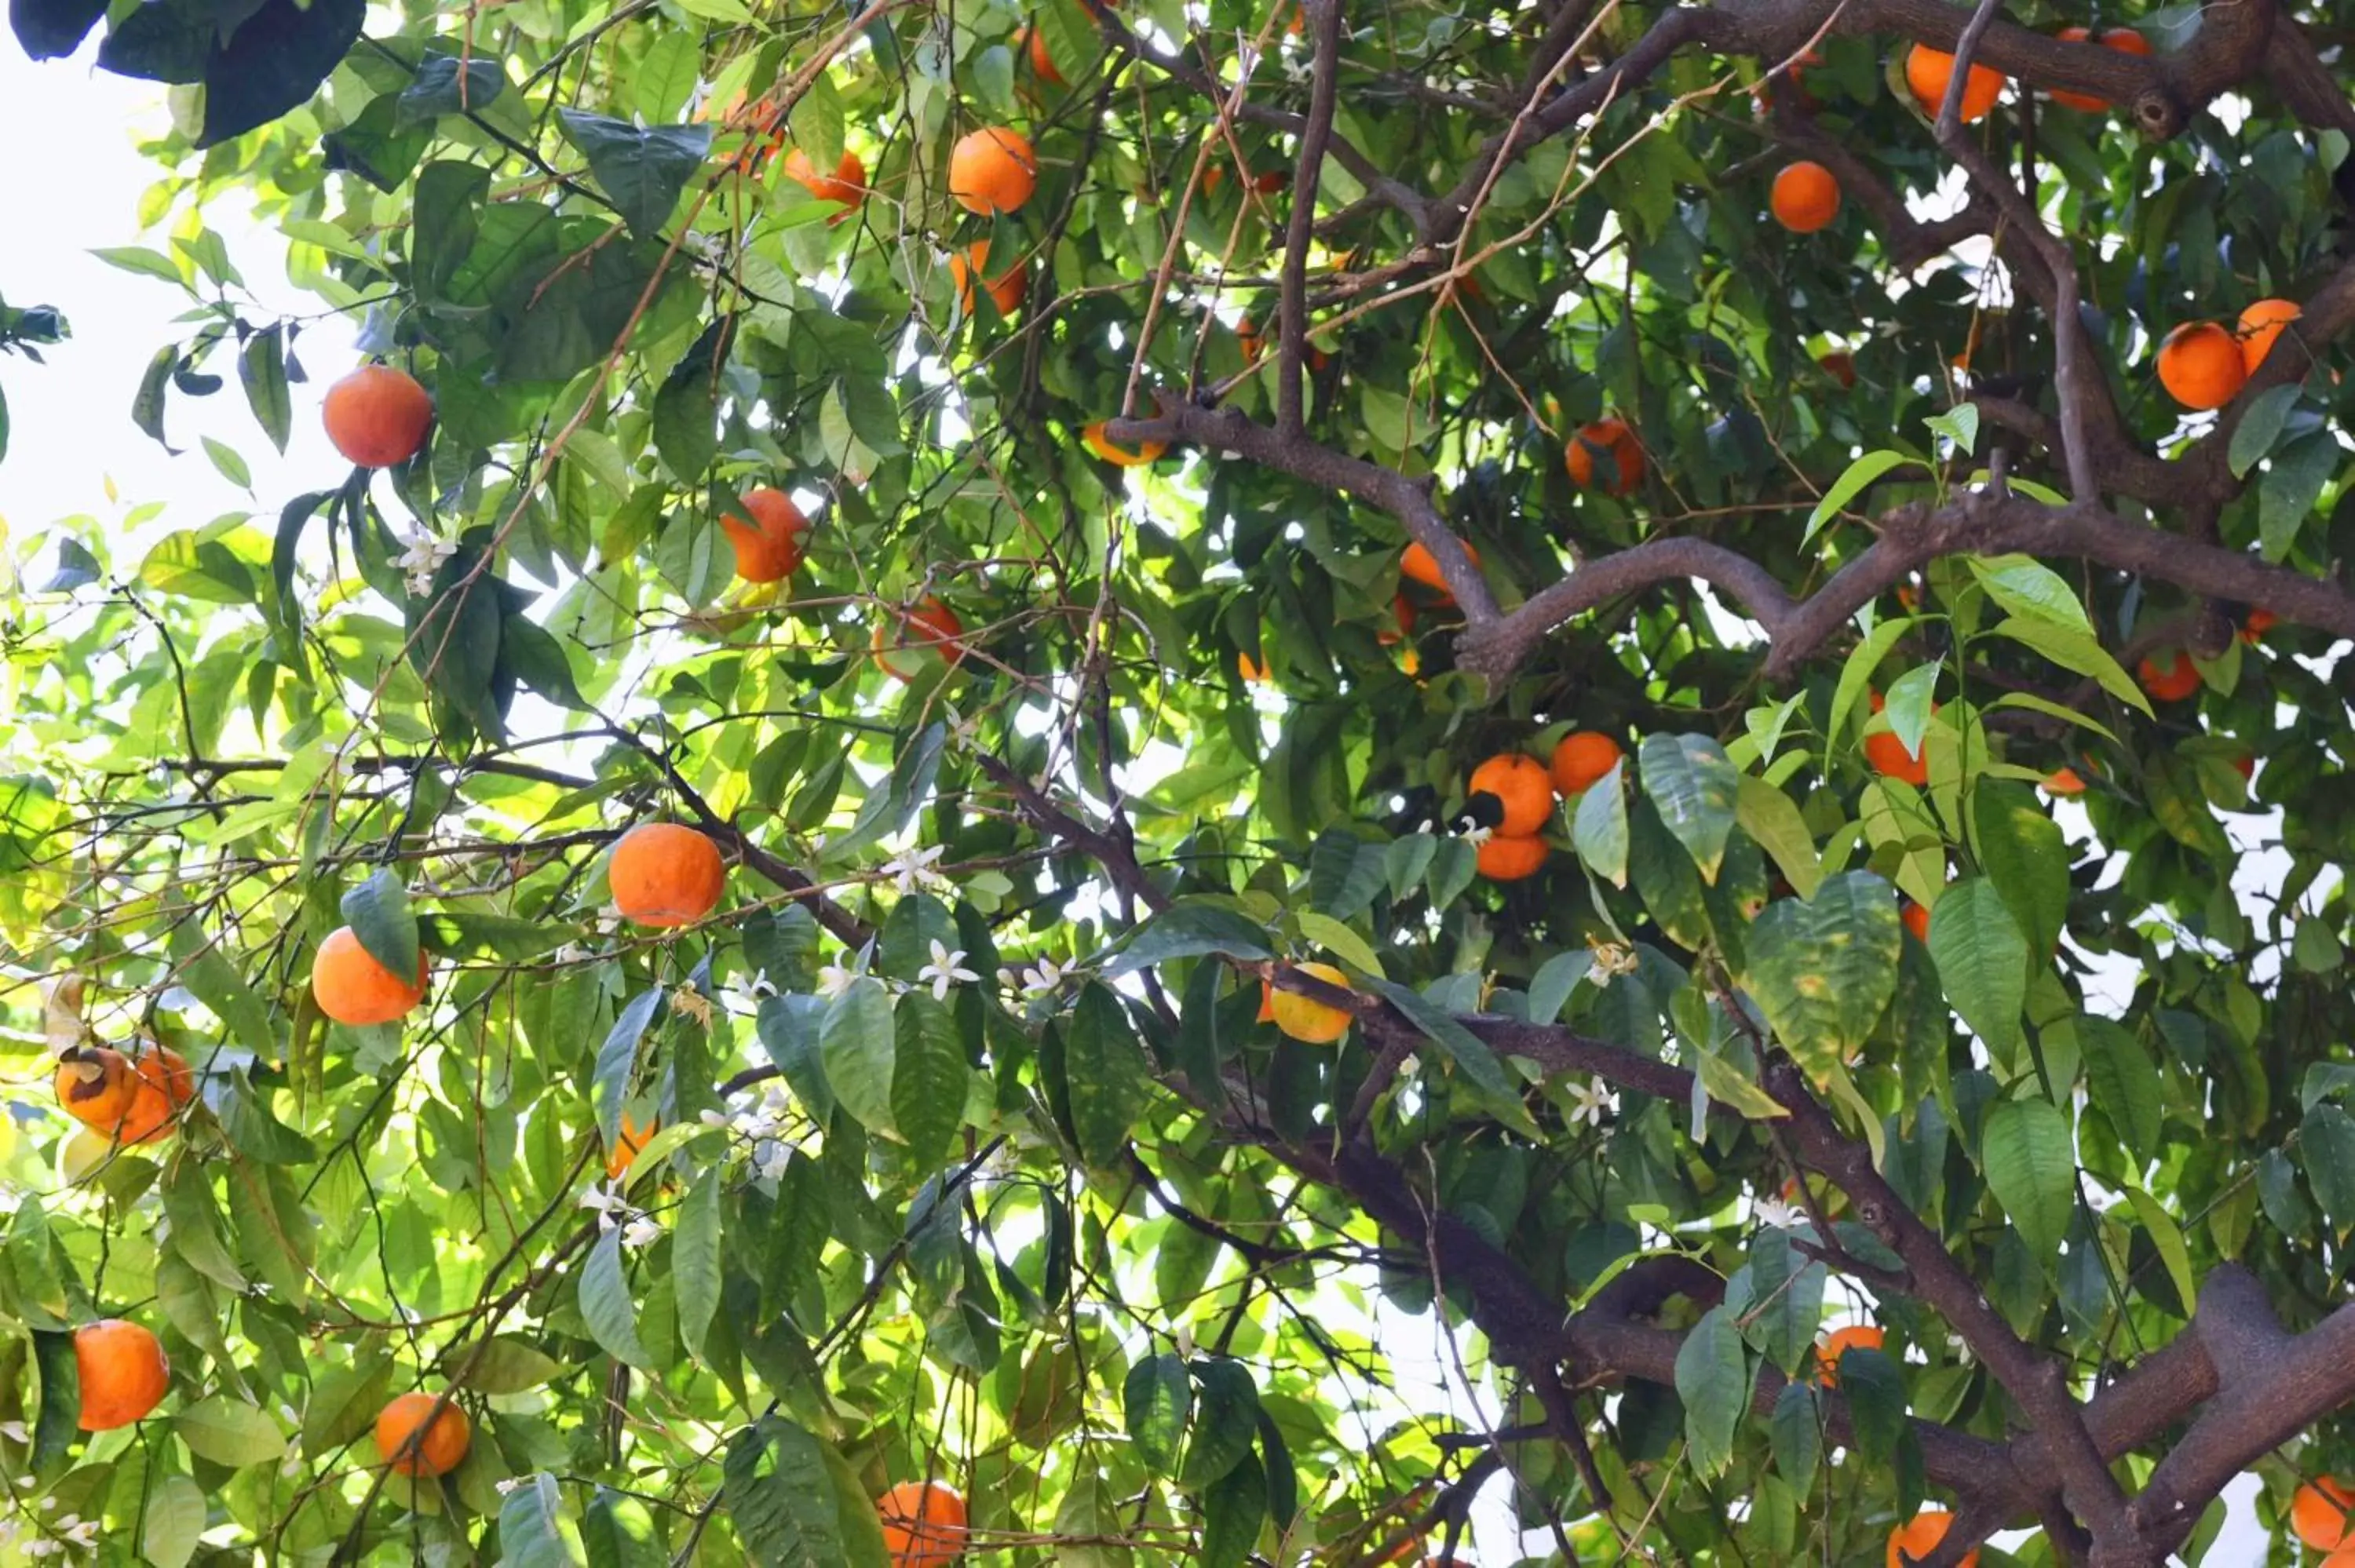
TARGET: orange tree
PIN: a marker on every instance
(721, 940)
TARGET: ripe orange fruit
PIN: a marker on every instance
(2200, 364)
(1928, 72)
(2125, 40)
(1806, 197)
(663, 874)
(1006, 290)
(628, 1138)
(1042, 64)
(770, 541)
(166, 1085)
(1610, 436)
(2172, 680)
(846, 185)
(1419, 565)
(2064, 781)
(95, 1085)
(931, 628)
(1505, 858)
(1840, 1342)
(2260, 621)
(437, 1452)
(1247, 334)
(1917, 920)
(2260, 324)
(353, 988)
(1581, 758)
(1111, 451)
(1309, 1021)
(923, 1524)
(1911, 1543)
(1522, 786)
(377, 415)
(124, 1373)
(2319, 1512)
(993, 170)
(1839, 364)
(1888, 756)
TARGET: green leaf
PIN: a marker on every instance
(1784, 1301)
(2292, 484)
(619, 1532)
(794, 1502)
(504, 1364)
(1856, 674)
(1959, 424)
(203, 969)
(858, 1049)
(642, 169)
(345, 1400)
(533, 1529)
(1851, 483)
(2027, 587)
(446, 85)
(256, 1130)
(2260, 427)
(2123, 1082)
(1868, 1381)
(176, 1518)
(928, 1078)
(1338, 939)
(377, 912)
(1190, 929)
(154, 385)
(1797, 1436)
(2168, 1237)
(1908, 706)
(1772, 818)
(142, 261)
(229, 1432)
(2025, 857)
(617, 1059)
(1470, 1056)
(1109, 1081)
(1694, 785)
(1982, 961)
(1345, 873)
(1599, 828)
(261, 370)
(817, 122)
(1822, 968)
(2077, 651)
(58, 1424)
(2325, 1147)
(695, 1259)
(1226, 1420)
(1551, 987)
(2031, 1167)
(1156, 1400)
(1233, 1510)
(605, 1304)
(1453, 864)
(1713, 1381)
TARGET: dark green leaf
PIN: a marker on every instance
(1226, 1419)
(1233, 1508)
(2325, 1147)
(445, 85)
(1599, 827)
(2123, 1082)
(377, 912)
(445, 218)
(2260, 427)
(1797, 1437)
(618, 1531)
(1157, 1400)
(1868, 1381)
(52, 29)
(1191, 927)
(533, 1531)
(617, 1059)
(1713, 1381)
(262, 369)
(147, 407)
(1108, 1075)
(928, 1078)
(2024, 855)
(275, 62)
(785, 1492)
(695, 1258)
(643, 170)
(1982, 961)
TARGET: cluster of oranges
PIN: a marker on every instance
(1527, 788)
(2201, 365)
(129, 1099)
(1916, 1539)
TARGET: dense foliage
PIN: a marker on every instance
(1942, 929)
